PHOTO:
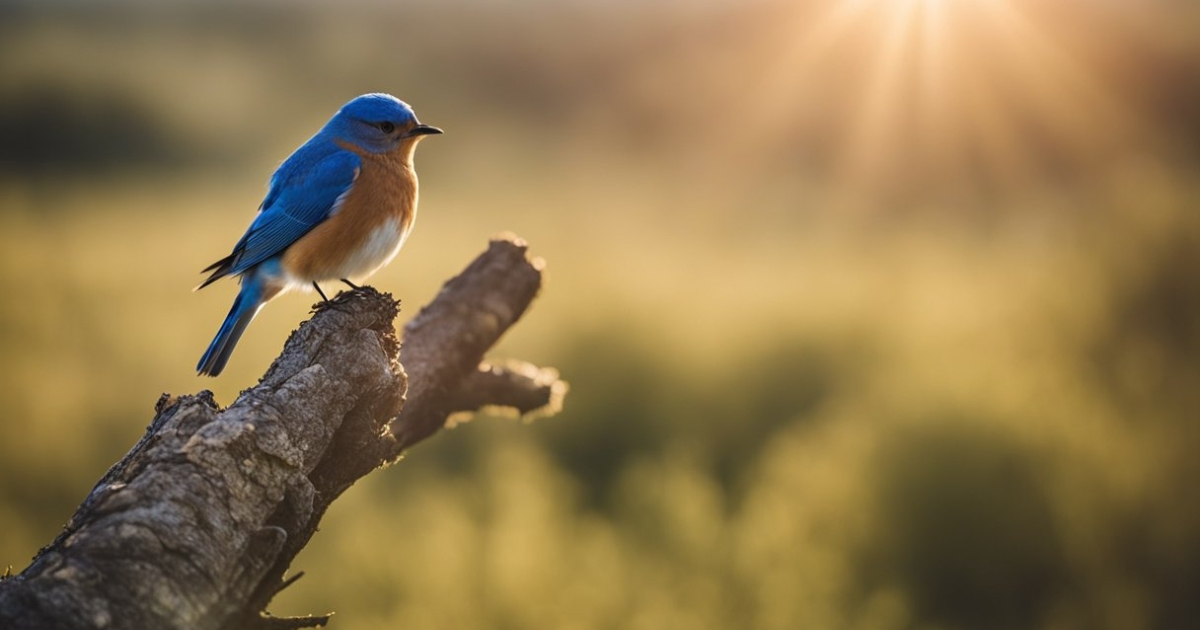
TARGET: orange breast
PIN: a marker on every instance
(368, 228)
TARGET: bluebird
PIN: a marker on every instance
(339, 208)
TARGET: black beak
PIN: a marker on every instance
(422, 130)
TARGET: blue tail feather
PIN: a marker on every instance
(245, 307)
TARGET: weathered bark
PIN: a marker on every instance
(196, 526)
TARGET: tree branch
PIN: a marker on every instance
(512, 384)
(196, 526)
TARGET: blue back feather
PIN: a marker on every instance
(303, 192)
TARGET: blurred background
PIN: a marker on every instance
(877, 314)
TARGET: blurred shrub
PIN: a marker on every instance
(1148, 353)
(966, 526)
(53, 129)
(1145, 360)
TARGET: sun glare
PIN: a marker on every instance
(955, 92)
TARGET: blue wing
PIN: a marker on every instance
(303, 193)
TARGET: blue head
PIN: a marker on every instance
(378, 123)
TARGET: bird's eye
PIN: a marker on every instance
(386, 127)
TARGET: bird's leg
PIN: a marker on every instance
(351, 284)
(319, 291)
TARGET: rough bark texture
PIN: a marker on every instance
(196, 526)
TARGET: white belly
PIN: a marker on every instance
(380, 247)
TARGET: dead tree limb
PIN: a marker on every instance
(197, 525)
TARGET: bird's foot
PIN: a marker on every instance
(320, 292)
